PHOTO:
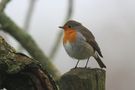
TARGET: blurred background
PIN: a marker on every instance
(111, 21)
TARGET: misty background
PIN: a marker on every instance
(111, 21)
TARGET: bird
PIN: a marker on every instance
(80, 43)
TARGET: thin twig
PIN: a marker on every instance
(29, 14)
(58, 39)
(28, 18)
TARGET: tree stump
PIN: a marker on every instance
(20, 72)
(83, 79)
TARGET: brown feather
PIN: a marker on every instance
(89, 38)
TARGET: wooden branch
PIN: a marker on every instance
(58, 39)
(19, 72)
(83, 79)
(28, 18)
(29, 15)
(28, 43)
(3, 4)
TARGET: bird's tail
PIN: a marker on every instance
(101, 64)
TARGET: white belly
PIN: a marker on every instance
(79, 50)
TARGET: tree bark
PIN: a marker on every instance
(32, 77)
(83, 79)
(20, 72)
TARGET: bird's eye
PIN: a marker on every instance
(69, 26)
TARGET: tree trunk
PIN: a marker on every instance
(20, 72)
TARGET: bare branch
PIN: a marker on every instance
(28, 18)
(29, 14)
(58, 39)
(3, 5)
(28, 43)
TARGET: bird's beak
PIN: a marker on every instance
(61, 27)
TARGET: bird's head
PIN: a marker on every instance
(71, 24)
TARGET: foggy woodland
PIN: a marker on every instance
(37, 22)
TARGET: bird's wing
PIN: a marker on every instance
(89, 38)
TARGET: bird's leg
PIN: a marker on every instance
(87, 62)
(77, 63)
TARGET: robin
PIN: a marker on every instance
(80, 43)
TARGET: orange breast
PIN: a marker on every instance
(69, 35)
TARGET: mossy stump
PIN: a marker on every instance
(83, 79)
(20, 72)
